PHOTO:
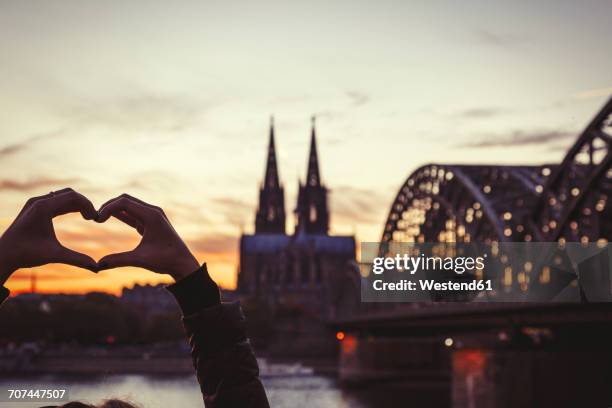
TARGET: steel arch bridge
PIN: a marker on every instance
(446, 203)
(478, 203)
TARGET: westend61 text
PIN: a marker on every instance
(429, 284)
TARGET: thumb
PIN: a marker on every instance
(118, 260)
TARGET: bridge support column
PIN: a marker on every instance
(530, 378)
(364, 358)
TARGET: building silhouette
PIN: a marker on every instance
(300, 270)
(270, 217)
(311, 212)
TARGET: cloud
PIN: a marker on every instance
(218, 246)
(134, 114)
(20, 146)
(12, 149)
(98, 236)
(236, 212)
(520, 138)
(357, 98)
(233, 204)
(95, 240)
(214, 244)
(354, 205)
(480, 113)
(497, 39)
(138, 113)
(36, 184)
(193, 214)
(329, 114)
(594, 93)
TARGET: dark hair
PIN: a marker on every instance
(112, 403)
(115, 403)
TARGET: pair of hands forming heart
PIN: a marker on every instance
(31, 241)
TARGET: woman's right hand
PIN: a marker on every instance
(161, 249)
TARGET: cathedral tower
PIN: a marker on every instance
(312, 212)
(270, 218)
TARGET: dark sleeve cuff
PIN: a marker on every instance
(196, 292)
(217, 328)
(4, 293)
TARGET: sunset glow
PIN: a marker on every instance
(174, 108)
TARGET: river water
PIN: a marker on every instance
(311, 391)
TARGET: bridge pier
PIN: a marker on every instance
(530, 378)
(373, 359)
(478, 377)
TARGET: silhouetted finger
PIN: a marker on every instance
(70, 257)
(138, 200)
(139, 212)
(32, 200)
(68, 202)
(108, 202)
(119, 260)
(129, 220)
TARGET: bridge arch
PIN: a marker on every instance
(462, 203)
(573, 204)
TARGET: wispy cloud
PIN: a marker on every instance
(480, 113)
(137, 112)
(594, 93)
(355, 205)
(98, 236)
(217, 246)
(195, 215)
(12, 149)
(233, 204)
(521, 138)
(36, 184)
(18, 147)
(357, 98)
(236, 212)
(496, 39)
(95, 240)
(329, 114)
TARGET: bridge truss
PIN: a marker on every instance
(555, 202)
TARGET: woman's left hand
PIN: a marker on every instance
(31, 241)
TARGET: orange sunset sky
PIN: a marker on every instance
(170, 102)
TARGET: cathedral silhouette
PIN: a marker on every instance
(301, 269)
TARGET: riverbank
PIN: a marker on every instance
(137, 360)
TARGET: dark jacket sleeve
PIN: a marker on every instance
(222, 355)
(4, 293)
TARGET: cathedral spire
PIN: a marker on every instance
(271, 179)
(312, 176)
(312, 212)
(270, 217)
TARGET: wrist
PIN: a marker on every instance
(184, 267)
(7, 267)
